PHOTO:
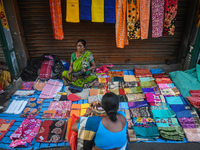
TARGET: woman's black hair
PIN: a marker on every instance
(82, 41)
(110, 103)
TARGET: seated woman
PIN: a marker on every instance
(110, 129)
(82, 63)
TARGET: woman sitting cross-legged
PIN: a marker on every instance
(81, 66)
(108, 132)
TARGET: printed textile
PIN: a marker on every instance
(135, 97)
(146, 133)
(190, 122)
(51, 131)
(39, 85)
(157, 8)
(144, 18)
(172, 133)
(141, 112)
(163, 114)
(166, 122)
(56, 19)
(26, 86)
(26, 132)
(45, 70)
(51, 88)
(171, 7)
(152, 98)
(120, 24)
(5, 125)
(33, 107)
(72, 11)
(195, 93)
(192, 135)
(144, 122)
(142, 73)
(137, 104)
(60, 105)
(133, 19)
(129, 78)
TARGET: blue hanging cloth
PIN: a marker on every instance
(85, 9)
(109, 11)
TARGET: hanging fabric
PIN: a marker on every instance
(85, 9)
(109, 11)
(56, 19)
(157, 9)
(198, 15)
(97, 10)
(72, 12)
(171, 7)
(144, 18)
(120, 25)
(133, 19)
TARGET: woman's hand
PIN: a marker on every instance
(88, 112)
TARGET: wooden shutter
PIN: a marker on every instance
(100, 37)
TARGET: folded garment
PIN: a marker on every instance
(142, 73)
(144, 79)
(194, 100)
(94, 98)
(131, 135)
(141, 112)
(160, 106)
(166, 85)
(130, 84)
(180, 107)
(152, 98)
(163, 114)
(166, 122)
(123, 98)
(186, 113)
(148, 84)
(172, 133)
(195, 93)
(136, 90)
(135, 97)
(113, 85)
(174, 100)
(157, 71)
(189, 122)
(121, 91)
(147, 133)
(116, 73)
(143, 122)
(114, 79)
(75, 89)
(192, 135)
(26, 86)
(137, 104)
(129, 78)
(163, 80)
(154, 90)
(123, 105)
(161, 75)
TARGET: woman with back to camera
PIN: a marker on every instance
(111, 129)
(81, 64)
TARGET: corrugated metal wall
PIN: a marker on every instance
(100, 37)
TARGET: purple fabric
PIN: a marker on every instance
(137, 104)
(187, 122)
(153, 90)
(157, 17)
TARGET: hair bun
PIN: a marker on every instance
(112, 111)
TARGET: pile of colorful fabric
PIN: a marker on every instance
(154, 107)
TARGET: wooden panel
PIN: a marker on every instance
(100, 37)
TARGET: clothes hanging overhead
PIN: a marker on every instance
(157, 8)
(170, 17)
(120, 25)
(56, 19)
(85, 9)
(109, 11)
(144, 18)
(133, 19)
(72, 13)
(97, 10)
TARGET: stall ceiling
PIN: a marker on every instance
(100, 37)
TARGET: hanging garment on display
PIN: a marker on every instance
(120, 24)
(72, 12)
(157, 8)
(109, 11)
(144, 18)
(85, 9)
(133, 19)
(56, 19)
(97, 10)
(171, 7)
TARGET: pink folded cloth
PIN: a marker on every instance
(152, 98)
(103, 69)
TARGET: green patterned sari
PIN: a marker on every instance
(83, 62)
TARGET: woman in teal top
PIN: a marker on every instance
(112, 128)
(82, 63)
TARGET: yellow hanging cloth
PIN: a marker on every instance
(97, 10)
(72, 12)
